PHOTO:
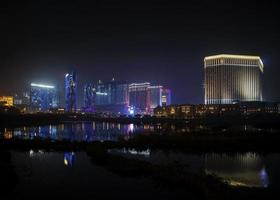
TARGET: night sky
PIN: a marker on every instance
(162, 42)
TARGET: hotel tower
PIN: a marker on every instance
(232, 78)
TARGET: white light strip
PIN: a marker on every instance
(101, 93)
(232, 56)
(42, 86)
(155, 87)
(140, 84)
(242, 57)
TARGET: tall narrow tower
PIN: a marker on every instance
(71, 92)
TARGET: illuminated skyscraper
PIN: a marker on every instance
(112, 97)
(155, 94)
(89, 96)
(232, 78)
(166, 97)
(139, 97)
(102, 94)
(71, 92)
(43, 97)
(120, 93)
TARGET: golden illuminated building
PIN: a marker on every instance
(7, 100)
(232, 78)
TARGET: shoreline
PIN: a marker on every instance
(212, 121)
(200, 142)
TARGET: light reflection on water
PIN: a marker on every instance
(69, 158)
(239, 169)
(83, 131)
(105, 131)
(246, 169)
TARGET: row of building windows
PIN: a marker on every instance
(189, 111)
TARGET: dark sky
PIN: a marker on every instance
(163, 42)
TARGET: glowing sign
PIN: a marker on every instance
(102, 93)
(42, 86)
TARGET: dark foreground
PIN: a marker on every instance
(172, 180)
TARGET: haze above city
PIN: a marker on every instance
(162, 42)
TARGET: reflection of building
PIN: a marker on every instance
(69, 158)
(238, 170)
(231, 78)
(89, 96)
(6, 100)
(43, 97)
(71, 92)
(139, 97)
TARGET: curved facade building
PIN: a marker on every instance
(232, 78)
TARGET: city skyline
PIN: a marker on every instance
(140, 99)
(160, 42)
(80, 96)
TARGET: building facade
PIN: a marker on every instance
(189, 111)
(166, 97)
(139, 97)
(43, 97)
(232, 78)
(89, 97)
(71, 92)
(102, 96)
(112, 97)
(155, 96)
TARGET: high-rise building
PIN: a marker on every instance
(112, 96)
(71, 92)
(232, 78)
(155, 96)
(89, 96)
(139, 97)
(120, 93)
(102, 94)
(166, 97)
(43, 97)
(22, 99)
